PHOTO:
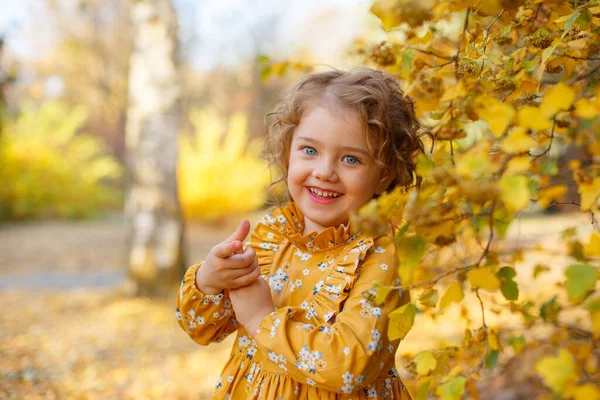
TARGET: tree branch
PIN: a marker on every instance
(594, 224)
(585, 74)
(485, 331)
(549, 145)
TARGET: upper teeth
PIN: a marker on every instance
(324, 193)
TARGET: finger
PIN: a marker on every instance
(241, 232)
(241, 260)
(246, 279)
(226, 249)
(245, 270)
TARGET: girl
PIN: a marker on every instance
(305, 331)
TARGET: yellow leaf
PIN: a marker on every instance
(583, 392)
(494, 341)
(533, 118)
(483, 278)
(454, 92)
(518, 141)
(401, 321)
(383, 9)
(589, 194)
(557, 372)
(514, 192)
(592, 248)
(498, 115)
(586, 108)
(428, 37)
(409, 251)
(594, 148)
(557, 98)
(595, 316)
(425, 362)
(490, 7)
(475, 163)
(548, 195)
(454, 293)
(429, 297)
(381, 293)
(518, 164)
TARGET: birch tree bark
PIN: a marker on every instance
(156, 261)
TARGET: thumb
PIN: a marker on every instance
(241, 232)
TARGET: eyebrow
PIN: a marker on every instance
(346, 148)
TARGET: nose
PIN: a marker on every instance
(325, 170)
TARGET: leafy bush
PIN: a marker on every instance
(220, 173)
(49, 169)
(526, 74)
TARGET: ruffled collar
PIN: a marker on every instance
(289, 221)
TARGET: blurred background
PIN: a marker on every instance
(104, 105)
(75, 320)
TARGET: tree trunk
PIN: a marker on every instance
(156, 261)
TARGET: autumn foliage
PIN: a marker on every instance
(509, 89)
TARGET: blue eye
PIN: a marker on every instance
(351, 160)
(309, 151)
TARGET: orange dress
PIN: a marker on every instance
(325, 340)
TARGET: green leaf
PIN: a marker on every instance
(492, 359)
(549, 167)
(506, 273)
(581, 279)
(265, 72)
(403, 230)
(506, 30)
(570, 23)
(438, 116)
(510, 290)
(423, 391)
(452, 390)
(502, 220)
(549, 310)
(424, 165)
(531, 64)
(517, 343)
(539, 269)
(593, 305)
(407, 59)
(584, 19)
(262, 58)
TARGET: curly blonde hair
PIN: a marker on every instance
(385, 111)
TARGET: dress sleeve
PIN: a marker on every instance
(206, 318)
(348, 354)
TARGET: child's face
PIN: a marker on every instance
(331, 172)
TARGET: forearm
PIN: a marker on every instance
(205, 317)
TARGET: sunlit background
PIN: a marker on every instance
(68, 326)
(66, 329)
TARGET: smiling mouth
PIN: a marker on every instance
(324, 193)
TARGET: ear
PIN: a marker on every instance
(387, 177)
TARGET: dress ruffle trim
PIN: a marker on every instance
(289, 222)
(285, 225)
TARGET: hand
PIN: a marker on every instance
(228, 265)
(251, 304)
